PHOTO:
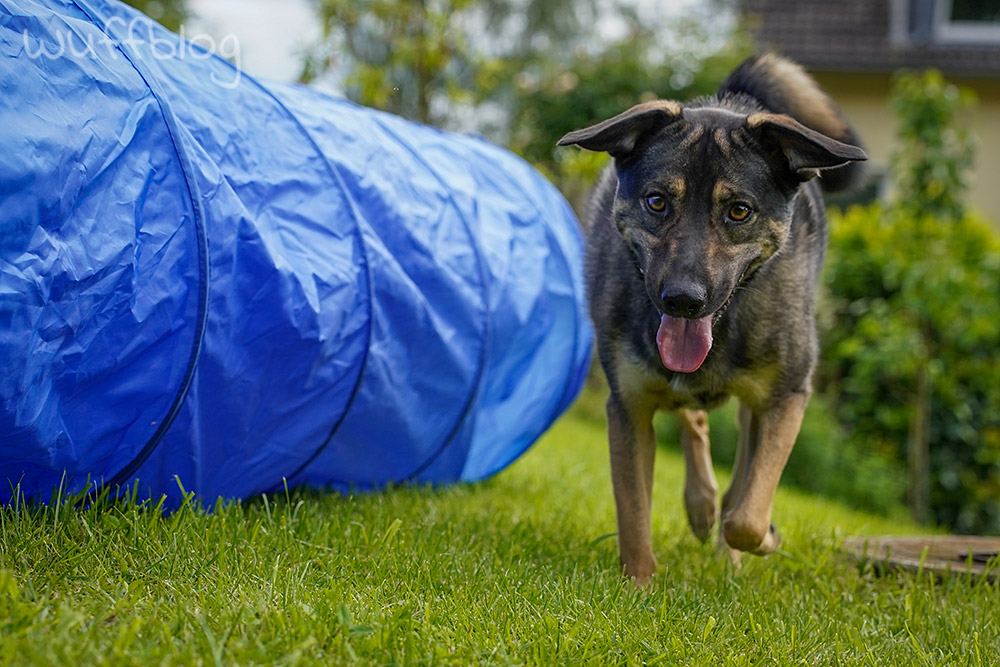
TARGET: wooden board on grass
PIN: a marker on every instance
(979, 556)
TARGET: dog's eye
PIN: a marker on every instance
(739, 212)
(656, 203)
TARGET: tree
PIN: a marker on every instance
(930, 167)
(421, 58)
(680, 58)
(170, 13)
(500, 66)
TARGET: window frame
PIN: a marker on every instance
(948, 31)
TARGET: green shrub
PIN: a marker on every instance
(911, 360)
(914, 355)
(935, 152)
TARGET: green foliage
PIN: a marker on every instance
(524, 72)
(399, 53)
(915, 302)
(519, 570)
(427, 59)
(561, 92)
(913, 360)
(170, 13)
(931, 165)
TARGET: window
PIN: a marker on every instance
(967, 21)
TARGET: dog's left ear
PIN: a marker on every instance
(806, 151)
(620, 135)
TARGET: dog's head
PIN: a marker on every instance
(704, 199)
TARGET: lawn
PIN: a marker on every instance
(520, 569)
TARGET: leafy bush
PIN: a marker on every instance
(935, 153)
(915, 354)
(913, 359)
(171, 13)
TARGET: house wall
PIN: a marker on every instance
(864, 98)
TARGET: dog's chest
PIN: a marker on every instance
(704, 389)
(673, 391)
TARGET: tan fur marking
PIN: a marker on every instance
(700, 487)
(739, 140)
(720, 254)
(755, 388)
(779, 232)
(761, 457)
(722, 191)
(668, 106)
(691, 138)
(755, 120)
(722, 140)
(804, 96)
(677, 188)
(635, 382)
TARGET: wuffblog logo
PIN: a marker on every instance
(141, 40)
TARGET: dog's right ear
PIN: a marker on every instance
(807, 151)
(619, 135)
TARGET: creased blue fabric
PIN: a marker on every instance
(227, 283)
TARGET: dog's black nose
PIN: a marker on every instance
(683, 300)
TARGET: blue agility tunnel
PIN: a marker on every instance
(232, 283)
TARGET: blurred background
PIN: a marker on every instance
(906, 416)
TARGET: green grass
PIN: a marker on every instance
(517, 570)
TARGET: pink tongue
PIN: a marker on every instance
(683, 343)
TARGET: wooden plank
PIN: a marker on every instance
(944, 554)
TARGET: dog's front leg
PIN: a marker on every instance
(766, 440)
(633, 448)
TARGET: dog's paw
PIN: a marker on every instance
(751, 538)
(642, 582)
(641, 579)
(701, 515)
(640, 571)
(701, 505)
(771, 543)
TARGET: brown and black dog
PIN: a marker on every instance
(704, 245)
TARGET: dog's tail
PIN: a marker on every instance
(782, 86)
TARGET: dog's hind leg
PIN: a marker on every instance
(747, 441)
(766, 440)
(700, 487)
(633, 448)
